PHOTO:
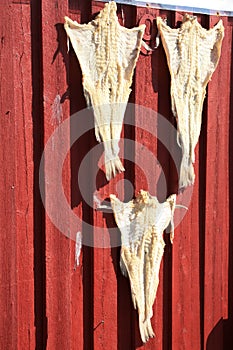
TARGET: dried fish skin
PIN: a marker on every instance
(192, 55)
(107, 53)
(141, 223)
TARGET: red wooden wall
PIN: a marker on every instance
(44, 301)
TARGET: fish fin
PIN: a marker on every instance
(113, 167)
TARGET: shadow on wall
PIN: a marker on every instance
(40, 321)
(219, 337)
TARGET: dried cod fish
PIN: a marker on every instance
(192, 55)
(107, 53)
(142, 222)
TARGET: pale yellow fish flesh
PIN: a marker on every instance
(142, 222)
(192, 55)
(107, 53)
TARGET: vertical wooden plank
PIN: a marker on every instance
(59, 263)
(185, 273)
(24, 174)
(146, 95)
(217, 214)
(228, 335)
(83, 277)
(81, 287)
(17, 310)
(8, 276)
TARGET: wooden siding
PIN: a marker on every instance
(44, 301)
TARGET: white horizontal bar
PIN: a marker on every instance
(209, 7)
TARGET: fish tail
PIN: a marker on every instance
(146, 330)
(187, 175)
(112, 167)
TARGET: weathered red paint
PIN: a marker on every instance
(217, 201)
(44, 301)
(16, 279)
